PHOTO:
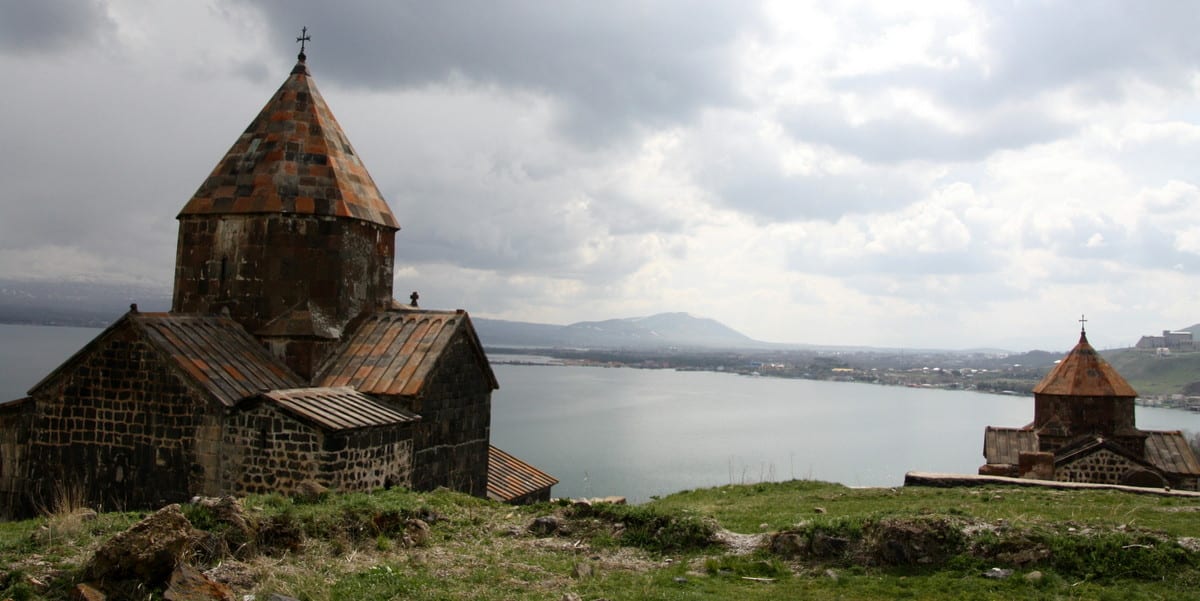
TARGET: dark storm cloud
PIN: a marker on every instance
(614, 66)
(51, 25)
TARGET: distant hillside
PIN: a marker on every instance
(655, 331)
(1151, 374)
(88, 304)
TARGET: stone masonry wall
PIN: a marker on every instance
(369, 459)
(15, 420)
(266, 450)
(117, 431)
(451, 440)
(1100, 467)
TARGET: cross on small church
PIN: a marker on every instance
(1082, 324)
(304, 37)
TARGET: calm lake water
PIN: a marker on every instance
(639, 433)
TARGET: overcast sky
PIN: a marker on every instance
(948, 174)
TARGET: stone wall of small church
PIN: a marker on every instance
(15, 422)
(1100, 467)
(117, 429)
(451, 440)
(369, 459)
(265, 450)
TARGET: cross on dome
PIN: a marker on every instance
(304, 37)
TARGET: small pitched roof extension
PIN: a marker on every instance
(338, 409)
(1005, 445)
(216, 353)
(393, 352)
(293, 158)
(510, 478)
(1084, 373)
(1170, 452)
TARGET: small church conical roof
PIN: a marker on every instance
(295, 159)
(1084, 373)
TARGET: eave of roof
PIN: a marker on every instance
(338, 409)
(510, 478)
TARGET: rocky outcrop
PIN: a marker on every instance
(189, 584)
(148, 552)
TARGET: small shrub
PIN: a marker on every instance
(1118, 555)
(652, 529)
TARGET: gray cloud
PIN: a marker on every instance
(1031, 48)
(51, 25)
(907, 138)
(1050, 45)
(615, 66)
(1090, 50)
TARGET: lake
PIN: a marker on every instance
(640, 433)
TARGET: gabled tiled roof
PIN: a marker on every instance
(216, 353)
(1170, 452)
(510, 478)
(338, 408)
(1005, 445)
(1084, 373)
(393, 352)
(293, 158)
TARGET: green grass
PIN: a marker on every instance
(1150, 374)
(1085, 544)
(777, 506)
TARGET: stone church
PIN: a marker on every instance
(1083, 430)
(284, 361)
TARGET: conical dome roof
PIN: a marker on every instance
(293, 158)
(1084, 373)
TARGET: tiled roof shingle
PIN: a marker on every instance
(510, 478)
(293, 158)
(393, 352)
(1169, 451)
(1005, 445)
(339, 408)
(217, 353)
(1084, 373)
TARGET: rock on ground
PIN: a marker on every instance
(148, 551)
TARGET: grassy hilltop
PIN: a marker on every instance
(795, 539)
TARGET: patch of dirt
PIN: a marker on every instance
(740, 544)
